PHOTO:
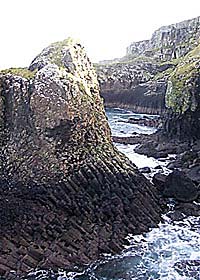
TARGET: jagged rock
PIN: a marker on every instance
(146, 121)
(67, 194)
(158, 167)
(194, 173)
(184, 209)
(139, 85)
(159, 180)
(152, 149)
(169, 42)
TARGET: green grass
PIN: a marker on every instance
(178, 95)
(22, 72)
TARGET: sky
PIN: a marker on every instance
(104, 27)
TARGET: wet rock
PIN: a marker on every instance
(146, 121)
(145, 169)
(188, 209)
(150, 149)
(188, 268)
(175, 164)
(158, 167)
(181, 210)
(194, 173)
(159, 180)
(179, 186)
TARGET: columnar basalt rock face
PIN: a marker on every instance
(67, 195)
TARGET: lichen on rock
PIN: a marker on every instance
(180, 93)
(67, 195)
(183, 98)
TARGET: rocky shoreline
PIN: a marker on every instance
(183, 182)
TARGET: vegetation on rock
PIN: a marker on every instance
(22, 72)
(128, 81)
(65, 189)
(180, 95)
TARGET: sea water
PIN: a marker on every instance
(118, 118)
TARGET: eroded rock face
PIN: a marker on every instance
(183, 99)
(169, 42)
(139, 85)
(67, 195)
(139, 80)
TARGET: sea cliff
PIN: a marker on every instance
(139, 79)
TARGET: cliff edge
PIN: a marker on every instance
(139, 79)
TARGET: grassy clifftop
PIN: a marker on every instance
(22, 72)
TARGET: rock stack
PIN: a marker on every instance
(67, 195)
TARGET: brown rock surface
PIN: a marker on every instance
(67, 195)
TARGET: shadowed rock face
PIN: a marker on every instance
(132, 85)
(67, 195)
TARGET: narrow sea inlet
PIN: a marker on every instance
(169, 252)
(100, 145)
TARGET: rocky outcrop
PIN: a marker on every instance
(67, 195)
(183, 99)
(169, 42)
(139, 80)
(177, 185)
(138, 85)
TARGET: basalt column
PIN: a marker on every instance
(67, 195)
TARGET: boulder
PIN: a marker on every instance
(194, 173)
(145, 169)
(68, 195)
(159, 180)
(179, 186)
(151, 149)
